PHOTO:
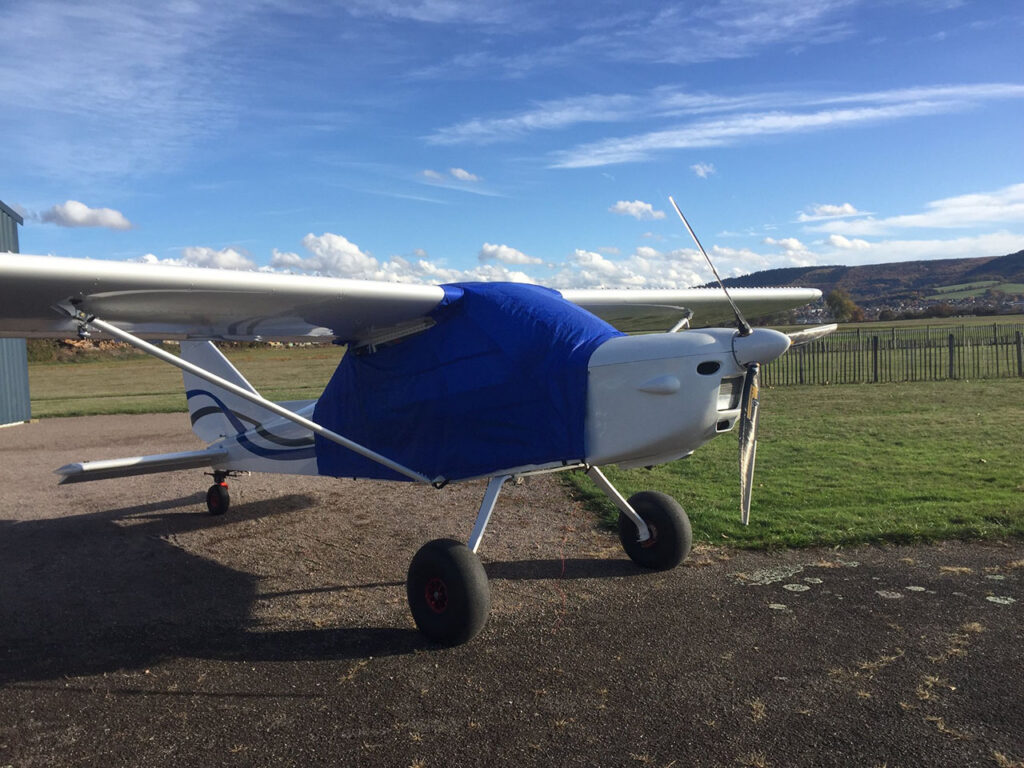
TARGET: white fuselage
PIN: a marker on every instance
(650, 399)
(659, 397)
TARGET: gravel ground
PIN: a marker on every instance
(137, 630)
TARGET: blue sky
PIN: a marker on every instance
(438, 140)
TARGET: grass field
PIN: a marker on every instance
(967, 290)
(141, 384)
(870, 463)
(881, 326)
(835, 465)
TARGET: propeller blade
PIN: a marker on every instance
(799, 338)
(748, 437)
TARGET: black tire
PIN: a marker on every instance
(218, 499)
(448, 592)
(671, 536)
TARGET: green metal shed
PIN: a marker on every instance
(15, 406)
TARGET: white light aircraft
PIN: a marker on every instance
(438, 384)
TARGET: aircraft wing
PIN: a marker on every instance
(637, 311)
(165, 302)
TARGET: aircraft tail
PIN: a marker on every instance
(215, 412)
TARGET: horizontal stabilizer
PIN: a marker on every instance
(105, 469)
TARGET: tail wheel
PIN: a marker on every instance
(671, 536)
(448, 593)
(218, 499)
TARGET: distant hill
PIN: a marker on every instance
(899, 280)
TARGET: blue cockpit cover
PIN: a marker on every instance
(499, 382)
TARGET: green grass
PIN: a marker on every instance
(138, 384)
(877, 326)
(974, 290)
(871, 463)
(966, 286)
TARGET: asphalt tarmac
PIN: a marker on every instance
(136, 630)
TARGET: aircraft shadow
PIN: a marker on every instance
(83, 595)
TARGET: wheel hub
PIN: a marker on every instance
(436, 593)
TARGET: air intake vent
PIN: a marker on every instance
(729, 393)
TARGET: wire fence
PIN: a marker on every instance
(860, 356)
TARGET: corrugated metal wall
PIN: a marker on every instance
(15, 405)
(9, 221)
(14, 397)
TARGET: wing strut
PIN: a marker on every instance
(195, 370)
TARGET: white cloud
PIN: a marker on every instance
(853, 251)
(201, 256)
(991, 244)
(722, 132)
(112, 88)
(331, 255)
(76, 214)
(505, 255)
(545, 115)
(637, 209)
(740, 261)
(589, 260)
(434, 11)
(794, 253)
(788, 244)
(680, 33)
(826, 211)
(463, 175)
(703, 169)
(646, 267)
(669, 102)
(225, 258)
(458, 179)
(564, 113)
(1002, 206)
(334, 255)
(792, 113)
(844, 243)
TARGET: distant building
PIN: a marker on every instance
(15, 406)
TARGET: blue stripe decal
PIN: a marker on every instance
(299, 454)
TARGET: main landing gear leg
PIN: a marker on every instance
(447, 586)
(653, 528)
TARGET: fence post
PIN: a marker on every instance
(1020, 355)
(874, 358)
(952, 351)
